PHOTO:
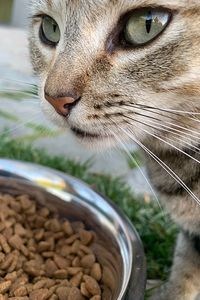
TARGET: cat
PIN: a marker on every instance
(115, 71)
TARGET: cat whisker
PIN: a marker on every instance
(164, 141)
(29, 93)
(18, 82)
(137, 164)
(157, 112)
(21, 125)
(163, 165)
(170, 129)
(174, 111)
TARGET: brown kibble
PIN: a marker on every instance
(84, 291)
(86, 249)
(48, 254)
(55, 225)
(75, 281)
(88, 261)
(50, 268)
(67, 228)
(96, 272)
(31, 210)
(43, 246)
(21, 291)
(19, 230)
(75, 294)
(11, 276)
(97, 297)
(39, 234)
(63, 293)
(85, 236)
(76, 262)
(53, 297)
(4, 244)
(72, 239)
(25, 202)
(41, 294)
(5, 286)
(74, 271)
(61, 262)
(43, 258)
(75, 247)
(44, 212)
(32, 268)
(60, 274)
(7, 261)
(16, 241)
(65, 250)
(92, 285)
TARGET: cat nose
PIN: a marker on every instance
(62, 104)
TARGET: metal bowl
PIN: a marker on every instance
(119, 246)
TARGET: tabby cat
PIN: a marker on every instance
(115, 71)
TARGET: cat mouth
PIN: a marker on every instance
(85, 134)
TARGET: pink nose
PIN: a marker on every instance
(62, 105)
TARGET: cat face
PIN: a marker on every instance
(130, 66)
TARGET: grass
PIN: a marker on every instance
(156, 230)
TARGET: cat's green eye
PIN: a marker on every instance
(145, 25)
(50, 31)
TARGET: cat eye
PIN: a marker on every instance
(49, 31)
(145, 25)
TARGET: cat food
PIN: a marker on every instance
(42, 257)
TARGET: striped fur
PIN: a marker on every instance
(150, 95)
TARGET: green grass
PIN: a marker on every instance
(156, 230)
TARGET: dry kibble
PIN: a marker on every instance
(53, 297)
(85, 236)
(67, 228)
(92, 285)
(97, 297)
(88, 261)
(41, 294)
(63, 292)
(74, 271)
(20, 291)
(43, 258)
(61, 262)
(75, 294)
(5, 286)
(50, 268)
(4, 244)
(72, 239)
(75, 281)
(96, 272)
(16, 242)
(84, 291)
(60, 274)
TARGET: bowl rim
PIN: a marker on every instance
(134, 287)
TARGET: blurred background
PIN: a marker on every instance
(14, 12)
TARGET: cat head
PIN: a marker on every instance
(118, 69)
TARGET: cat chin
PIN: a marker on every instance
(97, 143)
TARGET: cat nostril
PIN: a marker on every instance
(62, 105)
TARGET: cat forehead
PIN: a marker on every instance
(126, 4)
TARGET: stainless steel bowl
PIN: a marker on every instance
(119, 246)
